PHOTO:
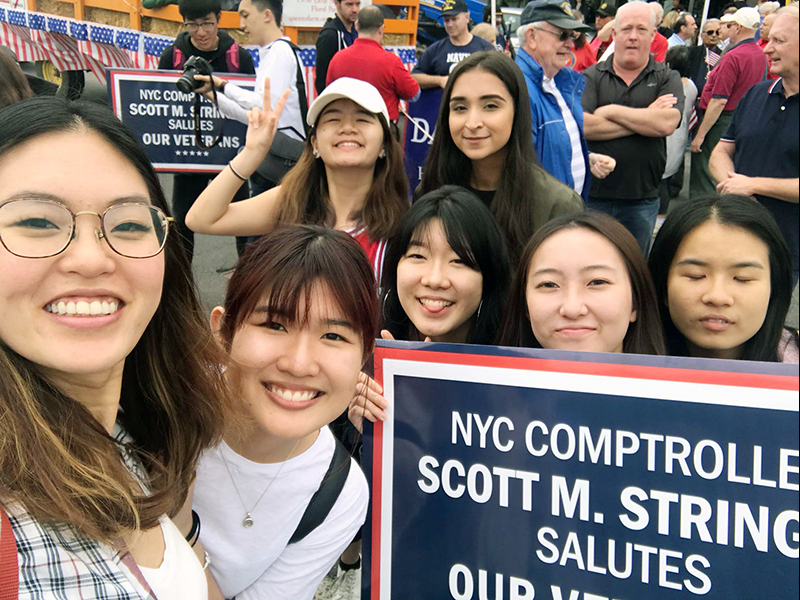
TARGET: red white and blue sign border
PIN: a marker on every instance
(689, 380)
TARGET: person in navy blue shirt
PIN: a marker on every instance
(441, 57)
(759, 154)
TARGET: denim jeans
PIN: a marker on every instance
(638, 216)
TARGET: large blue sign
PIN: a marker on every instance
(162, 118)
(419, 133)
(514, 475)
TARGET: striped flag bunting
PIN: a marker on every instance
(18, 39)
(70, 44)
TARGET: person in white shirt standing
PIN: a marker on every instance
(280, 498)
(261, 22)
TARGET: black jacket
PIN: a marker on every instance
(215, 57)
(698, 70)
(331, 39)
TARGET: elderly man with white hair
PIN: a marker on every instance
(759, 154)
(631, 104)
(547, 34)
(705, 57)
(660, 45)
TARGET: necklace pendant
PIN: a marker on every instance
(248, 521)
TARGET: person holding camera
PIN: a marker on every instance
(278, 60)
(201, 38)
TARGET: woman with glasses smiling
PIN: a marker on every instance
(100, 432)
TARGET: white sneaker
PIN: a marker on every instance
(346, 586)
(324, 588)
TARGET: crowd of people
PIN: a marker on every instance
(147, 451)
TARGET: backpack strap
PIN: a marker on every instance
(9, 569)
(178, 58)
(232, 58)
(301, 86)
(326, 496)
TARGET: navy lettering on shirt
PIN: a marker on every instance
(441, 57)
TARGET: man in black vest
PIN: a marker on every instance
(338, 33)
(203, 38)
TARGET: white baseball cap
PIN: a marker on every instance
(748, 17)
(362, 93)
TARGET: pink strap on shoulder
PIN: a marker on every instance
(9, 569)
(128, 561)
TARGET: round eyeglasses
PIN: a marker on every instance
(44, 228)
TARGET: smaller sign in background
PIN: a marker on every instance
(162, 118)
(417, 138)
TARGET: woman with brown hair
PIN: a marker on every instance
(483, 142)
(13, 83)
(109, 390)
(582, 284)
(350, 176)
(298, 323)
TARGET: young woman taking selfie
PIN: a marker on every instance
(108, 390)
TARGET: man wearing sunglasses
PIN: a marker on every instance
(705, 57)
(202, 37)
(547, 35)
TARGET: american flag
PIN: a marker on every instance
(62, 50)
(97, 43)
(153, 47)
(82, 45)
(18, 39)
(712, 58)
(130, 42)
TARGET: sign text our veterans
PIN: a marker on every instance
(519, 474)
(162, 118)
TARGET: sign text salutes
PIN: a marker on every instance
(712, 520)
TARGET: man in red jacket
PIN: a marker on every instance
(368, 61)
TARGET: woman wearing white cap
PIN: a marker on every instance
(350, 176)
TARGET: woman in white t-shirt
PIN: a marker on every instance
(298, 323)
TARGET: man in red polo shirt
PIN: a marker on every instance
(368, 61)
(742, 66)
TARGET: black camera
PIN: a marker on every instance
(195, 65)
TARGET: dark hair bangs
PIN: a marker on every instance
(454, 233)
(473, 234)
(283, 268)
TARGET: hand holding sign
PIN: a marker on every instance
(368, 402)
(263, 123)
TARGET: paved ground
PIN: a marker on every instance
(213, 255)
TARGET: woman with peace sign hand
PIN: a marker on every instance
(350, 176)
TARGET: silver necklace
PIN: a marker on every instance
(248, 521)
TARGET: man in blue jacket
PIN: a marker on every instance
(547, 33)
